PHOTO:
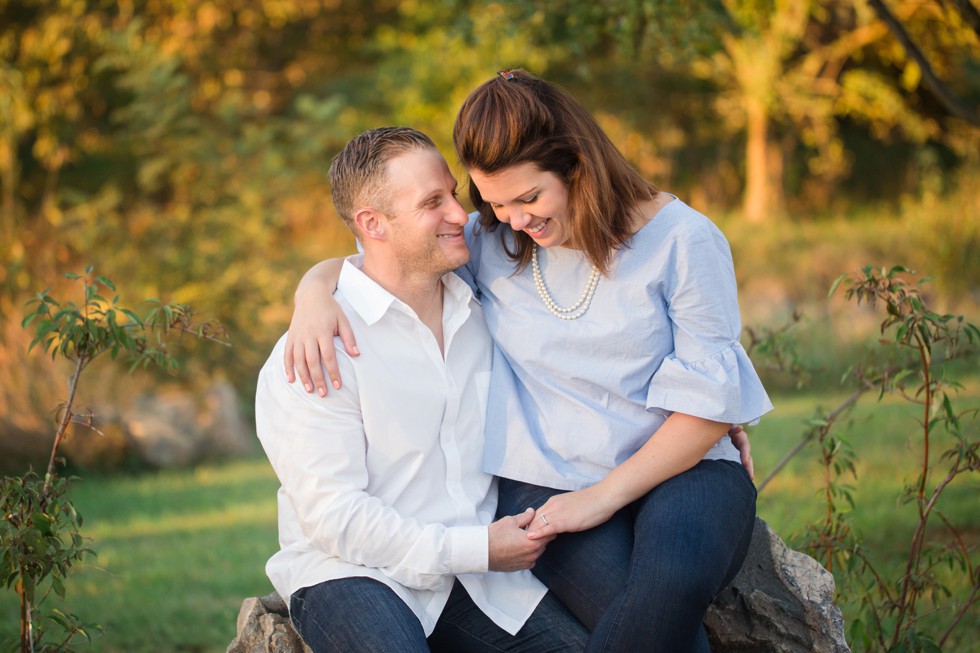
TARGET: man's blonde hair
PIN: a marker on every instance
(359, 173)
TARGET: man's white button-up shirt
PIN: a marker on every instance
(383, 478)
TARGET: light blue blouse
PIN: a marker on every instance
(571, 399)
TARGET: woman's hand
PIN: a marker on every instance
(317, 318)
(571, 512)
(674, 448)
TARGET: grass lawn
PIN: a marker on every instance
(179, 550)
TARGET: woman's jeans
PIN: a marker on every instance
(362, 615)
(643, 580)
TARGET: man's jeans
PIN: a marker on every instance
(362, 615)
(643, 580)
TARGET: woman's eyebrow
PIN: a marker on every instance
(519, 196)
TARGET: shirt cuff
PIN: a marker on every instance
(469, 548)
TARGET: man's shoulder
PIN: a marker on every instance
(274, 368)
(272, 377)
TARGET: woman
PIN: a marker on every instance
(617, 370)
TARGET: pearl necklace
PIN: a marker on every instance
(573, 312)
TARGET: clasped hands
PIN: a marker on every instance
(517, 542)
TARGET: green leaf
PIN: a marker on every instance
(837, 282)
(105, 282)
(901, 332)
(132, 316)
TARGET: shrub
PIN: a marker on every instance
(40, 531)
(917, 346)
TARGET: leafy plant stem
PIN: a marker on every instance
(907, 598)
(926, 422)
(62, 426)
(26, 622)
(970, 600)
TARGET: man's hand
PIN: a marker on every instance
(741, 441)
(510, 548)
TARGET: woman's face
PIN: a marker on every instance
(529, 200)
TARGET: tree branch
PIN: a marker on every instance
(936, 86)
(969, 14)
(812, 433)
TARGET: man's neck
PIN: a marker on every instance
(423, 293)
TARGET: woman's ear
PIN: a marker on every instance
(371, 223)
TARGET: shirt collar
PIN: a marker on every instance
(371, 301)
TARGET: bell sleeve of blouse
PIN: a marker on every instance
(318, 450)
(708, 374)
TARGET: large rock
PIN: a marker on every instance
(780, 602)
(178, 428)
(264, 626)
(135, 419)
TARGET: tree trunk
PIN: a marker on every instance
(8, 188)
(764, 159)
(758, 193)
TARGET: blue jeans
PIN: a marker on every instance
(643, 580)
(362, 615)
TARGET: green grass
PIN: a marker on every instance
(179, 550)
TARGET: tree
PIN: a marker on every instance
(783, 74)
(181, 145)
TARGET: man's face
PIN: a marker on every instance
(426, 220)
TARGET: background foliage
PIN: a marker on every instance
(181, 147)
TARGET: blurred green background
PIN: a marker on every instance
(180, 147)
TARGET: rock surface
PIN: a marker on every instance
(780, 602)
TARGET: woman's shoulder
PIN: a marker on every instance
(677, 221)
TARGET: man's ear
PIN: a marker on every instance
(371, 223)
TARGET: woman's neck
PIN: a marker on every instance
(641, 214)
(648, 210)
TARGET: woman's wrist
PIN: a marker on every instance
(319, 282)
(313, 291)
(611, 493)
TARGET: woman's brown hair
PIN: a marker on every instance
(518, 118)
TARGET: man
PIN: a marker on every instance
(384, 513)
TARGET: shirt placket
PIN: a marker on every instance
(448, 435)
